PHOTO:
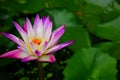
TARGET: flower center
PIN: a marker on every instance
(36, 41)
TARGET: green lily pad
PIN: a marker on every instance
(109, 30)
(90, 64)
(113, 48)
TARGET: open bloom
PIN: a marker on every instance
(38, 42)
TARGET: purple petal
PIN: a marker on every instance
(22, 49)
(58, 47)
(47, 29)
(29, 28)
(32, 46)
(29, 58)
(45, 46)
(56, 35)
(21, 31)
(44, 19)
(18, 27)
(18, 54)
(46, 22)
(38, 53)
(25, 27)
(22, 42)
(47, 58)
(38, 27)
(12, 37)
(36, 22)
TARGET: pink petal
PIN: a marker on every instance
(25, 28)
(56, 35)
(58, 47)
(29, 28)
(32, 46)
(12, 37)
(23, 43)
(38, 53)
(36, 22)
(47, 58)
(17, 54)
(44, 46)
(22, 49)
(21, 31)
(44, 19)
(48, 30)
(47, 27)
(29, 58)
(38, 27)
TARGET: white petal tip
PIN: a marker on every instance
(47, 58)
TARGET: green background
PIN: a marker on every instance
(94, 25)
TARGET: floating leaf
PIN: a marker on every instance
(113, 48)
(90, 64)
(71, 5)
(109, 30)
(101, 3)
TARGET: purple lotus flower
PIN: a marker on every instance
(38, 42)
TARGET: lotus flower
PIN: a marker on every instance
(38, 42)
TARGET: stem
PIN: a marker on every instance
(41, 71)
